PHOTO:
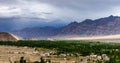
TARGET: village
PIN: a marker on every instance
(12, 54)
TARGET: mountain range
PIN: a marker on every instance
(102, 26)
(98, 27)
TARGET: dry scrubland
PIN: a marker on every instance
(12, 53)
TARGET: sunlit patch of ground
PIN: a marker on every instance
(109, 38)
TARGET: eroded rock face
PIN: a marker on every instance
(4, 36)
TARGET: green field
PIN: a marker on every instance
(83, 48)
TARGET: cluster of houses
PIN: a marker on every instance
(80, 59)
(93, 58)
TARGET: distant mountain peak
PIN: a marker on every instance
(87, 21)
(74, 22)
(112, 16)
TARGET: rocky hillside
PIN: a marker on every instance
(4, 36)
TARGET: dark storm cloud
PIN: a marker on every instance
(82, 4)
(82, 9)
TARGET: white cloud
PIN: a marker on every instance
(26, 9)
(58, 9)
(8, 12)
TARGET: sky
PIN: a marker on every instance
(62, 10)
(59, 9)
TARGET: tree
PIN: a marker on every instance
(42, 60)
(22, 60)
(36, 62)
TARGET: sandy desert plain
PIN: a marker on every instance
(107, 38)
